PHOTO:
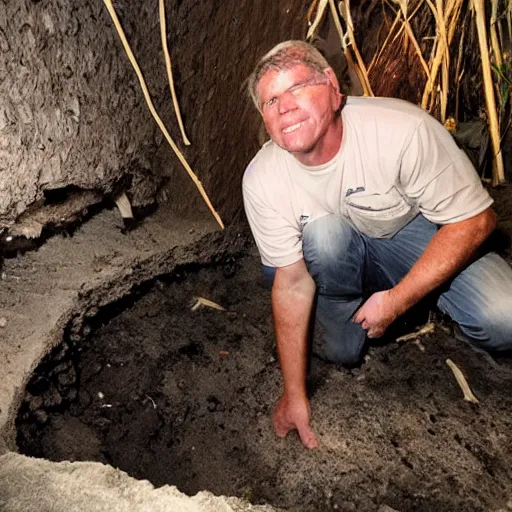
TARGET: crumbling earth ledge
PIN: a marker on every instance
(45, 293)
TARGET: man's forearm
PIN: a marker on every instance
(448, 251)
(292, 300)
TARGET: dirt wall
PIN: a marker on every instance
(72, 113)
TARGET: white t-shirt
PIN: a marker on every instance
(395, 161)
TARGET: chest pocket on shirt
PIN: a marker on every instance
(379, 215)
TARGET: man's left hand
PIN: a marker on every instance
(377, 314)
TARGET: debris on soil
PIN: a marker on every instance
(201, 301)
(426, 329)
(462, 382)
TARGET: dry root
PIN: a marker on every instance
(201, 301)
(426, 329)
(462, 382)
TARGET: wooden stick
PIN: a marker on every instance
(462, 382)
(441, 51)
(163, 33)
(360, 68)
(412, 37)
(131, 57)
(496, 50)
(498, 171)
(440, 55)
(445, 65)
(435, 63)
(320, 12)
(458, 72)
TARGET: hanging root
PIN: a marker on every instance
(133, 61)
(167, 56)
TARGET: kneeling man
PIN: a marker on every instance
(370, 204)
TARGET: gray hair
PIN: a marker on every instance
(285, 56)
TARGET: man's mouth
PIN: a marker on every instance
(293, 127)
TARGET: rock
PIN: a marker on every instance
(51, 397)
(41, 416)
(67, 379)
(3, 321)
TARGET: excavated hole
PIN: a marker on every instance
(184, 397)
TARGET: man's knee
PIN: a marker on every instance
(349, 357)
(343, 344)
(334, 254)
(492, 327)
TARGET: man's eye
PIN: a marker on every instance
(296, 88)
(270, 102)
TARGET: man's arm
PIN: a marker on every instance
(450, 248)
(292, 299)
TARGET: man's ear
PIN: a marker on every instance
(333, 80)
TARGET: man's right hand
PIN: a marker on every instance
(293, 413)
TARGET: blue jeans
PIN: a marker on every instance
(347, 266)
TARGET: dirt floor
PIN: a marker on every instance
(183, 396)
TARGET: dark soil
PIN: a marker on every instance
(184, 397)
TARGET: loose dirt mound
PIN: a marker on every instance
(184, 397)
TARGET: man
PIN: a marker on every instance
(367, 195)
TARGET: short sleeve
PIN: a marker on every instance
(439, 177)
(279, 241)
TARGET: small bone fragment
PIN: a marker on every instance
(201, 301)
(462, 382)
(123, 203)
(426, 329)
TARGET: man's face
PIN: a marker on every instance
(298, 106)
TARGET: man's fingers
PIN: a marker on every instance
(281, 430)
(375, 333)
(308, 437)
(281, 427)
(358, 317)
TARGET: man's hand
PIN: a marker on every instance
(293, 413)
(450, 248)
(377, 314)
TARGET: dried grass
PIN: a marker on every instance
(434, 53)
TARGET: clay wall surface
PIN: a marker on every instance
(72, 113)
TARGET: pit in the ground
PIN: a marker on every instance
(183, 396)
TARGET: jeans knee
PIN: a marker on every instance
(347, 357)
(334, 255)
(493, 327)
(343, 343)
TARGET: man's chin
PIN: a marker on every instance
(294, 147)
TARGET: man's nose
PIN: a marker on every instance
(286, 102)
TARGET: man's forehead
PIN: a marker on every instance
(283, 78)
